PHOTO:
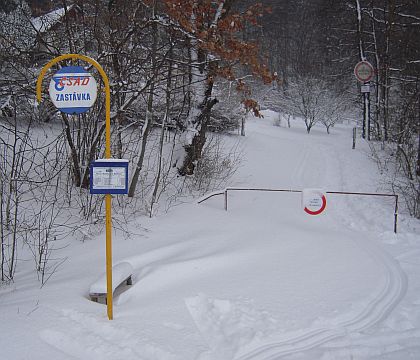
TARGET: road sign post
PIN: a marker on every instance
(74, 103)
(364, 72)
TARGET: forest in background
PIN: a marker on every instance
(182, 72)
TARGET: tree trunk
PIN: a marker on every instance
(362, 58)
(386, 78)
(194, 149)
(418, 150)
(145, 134)
(149, 115)
(377, 112)
(2, 248)
(162, 134)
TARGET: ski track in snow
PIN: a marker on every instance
(375, 311)
(298, 171)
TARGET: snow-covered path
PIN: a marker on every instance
(263, 280)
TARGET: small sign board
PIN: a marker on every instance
(363, 71)
(73, 90)
(314, 201)
(365, 88)
(109, 176)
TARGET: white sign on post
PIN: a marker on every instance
(314, 201)
(365, 88)
(73, 90)
(109, 176)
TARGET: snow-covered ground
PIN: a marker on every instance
(263, 280)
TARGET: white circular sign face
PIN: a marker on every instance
(73, 90)
(314, 201)
(363, 71)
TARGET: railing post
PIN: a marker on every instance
(354, 138)
(226, 199)
(396, 214)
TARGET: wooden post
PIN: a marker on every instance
(396, 214)
(354, 138)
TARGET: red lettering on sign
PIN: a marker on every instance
(73, 81)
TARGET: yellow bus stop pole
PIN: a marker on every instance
(108, 198)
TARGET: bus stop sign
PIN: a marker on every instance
(73, 90)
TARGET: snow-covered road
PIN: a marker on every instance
(263, 280)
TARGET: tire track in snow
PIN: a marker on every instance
(310, 171)
(373, 313)
(298, 172)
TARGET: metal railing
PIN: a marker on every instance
(226, 191)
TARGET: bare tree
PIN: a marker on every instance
(306, 98)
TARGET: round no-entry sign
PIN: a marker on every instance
(363, 71)
(73, 90)
(314, 201)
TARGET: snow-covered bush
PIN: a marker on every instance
(397, 163)
(32, 205)
(217, 165)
